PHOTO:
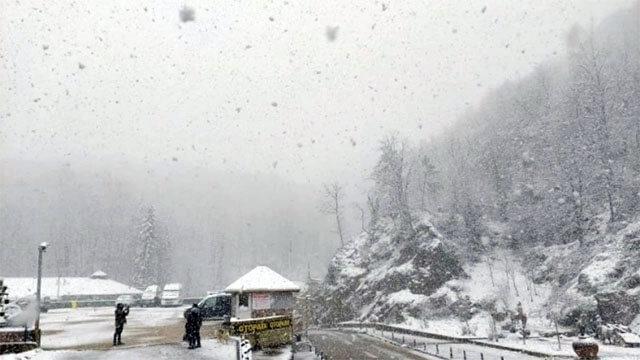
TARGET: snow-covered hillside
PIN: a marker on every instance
(421, 279)
(601, 275)
(389, 274)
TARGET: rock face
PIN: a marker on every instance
(618, 307)
(388, 274)
(600, 277)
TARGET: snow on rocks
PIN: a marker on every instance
(389, 273)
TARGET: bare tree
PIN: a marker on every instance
(332, 205)
(363, 226)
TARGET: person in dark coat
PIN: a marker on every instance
(121, 318)
(194, 321)
(186, 325)
(198, 325)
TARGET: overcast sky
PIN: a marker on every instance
(257, 86)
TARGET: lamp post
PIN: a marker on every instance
(41, 249)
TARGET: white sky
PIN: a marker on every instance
(154, 88)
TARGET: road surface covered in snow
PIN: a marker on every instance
(348, 345)
(473, 351)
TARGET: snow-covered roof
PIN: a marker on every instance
(262, 278)
(99, 275)
(173, 287)
(630, 338)
(69, 286)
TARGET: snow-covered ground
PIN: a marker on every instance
(150, 333)
(82, 327)
(211, 350)
(550, 346)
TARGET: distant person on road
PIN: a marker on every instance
(194, 322)
(121, 318)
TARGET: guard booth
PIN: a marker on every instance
(262, 307)
(262, 292)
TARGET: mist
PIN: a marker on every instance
(372, 177)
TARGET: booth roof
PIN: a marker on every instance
(260, 279)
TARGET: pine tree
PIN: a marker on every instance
(151, 258)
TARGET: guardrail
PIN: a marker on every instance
(454, 339)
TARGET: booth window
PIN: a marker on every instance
(243, 300)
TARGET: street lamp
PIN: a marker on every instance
(41, 249)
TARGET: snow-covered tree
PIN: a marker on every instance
(392, 177)
(151, 262)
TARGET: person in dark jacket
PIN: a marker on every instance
(192, 327)
(194, 321)
(121, 318)
(198, 325)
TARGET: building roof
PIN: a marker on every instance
(99, 275)
(69, 286)
(259, 279)
(173, 287)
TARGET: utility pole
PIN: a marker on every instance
(212, 262)
(41, 249)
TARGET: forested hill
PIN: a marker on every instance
(542, 181)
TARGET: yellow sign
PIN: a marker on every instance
(245, 327)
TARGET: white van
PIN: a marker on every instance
(151, 296)
(171, 295)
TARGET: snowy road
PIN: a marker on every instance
(357, 345)
(344, 346)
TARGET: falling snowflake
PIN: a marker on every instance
(187, 14)
(332, 32)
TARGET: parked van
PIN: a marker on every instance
(171, 295)
(151, 296)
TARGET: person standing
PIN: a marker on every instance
(121, 318)
(194, 321)
(198, 319)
